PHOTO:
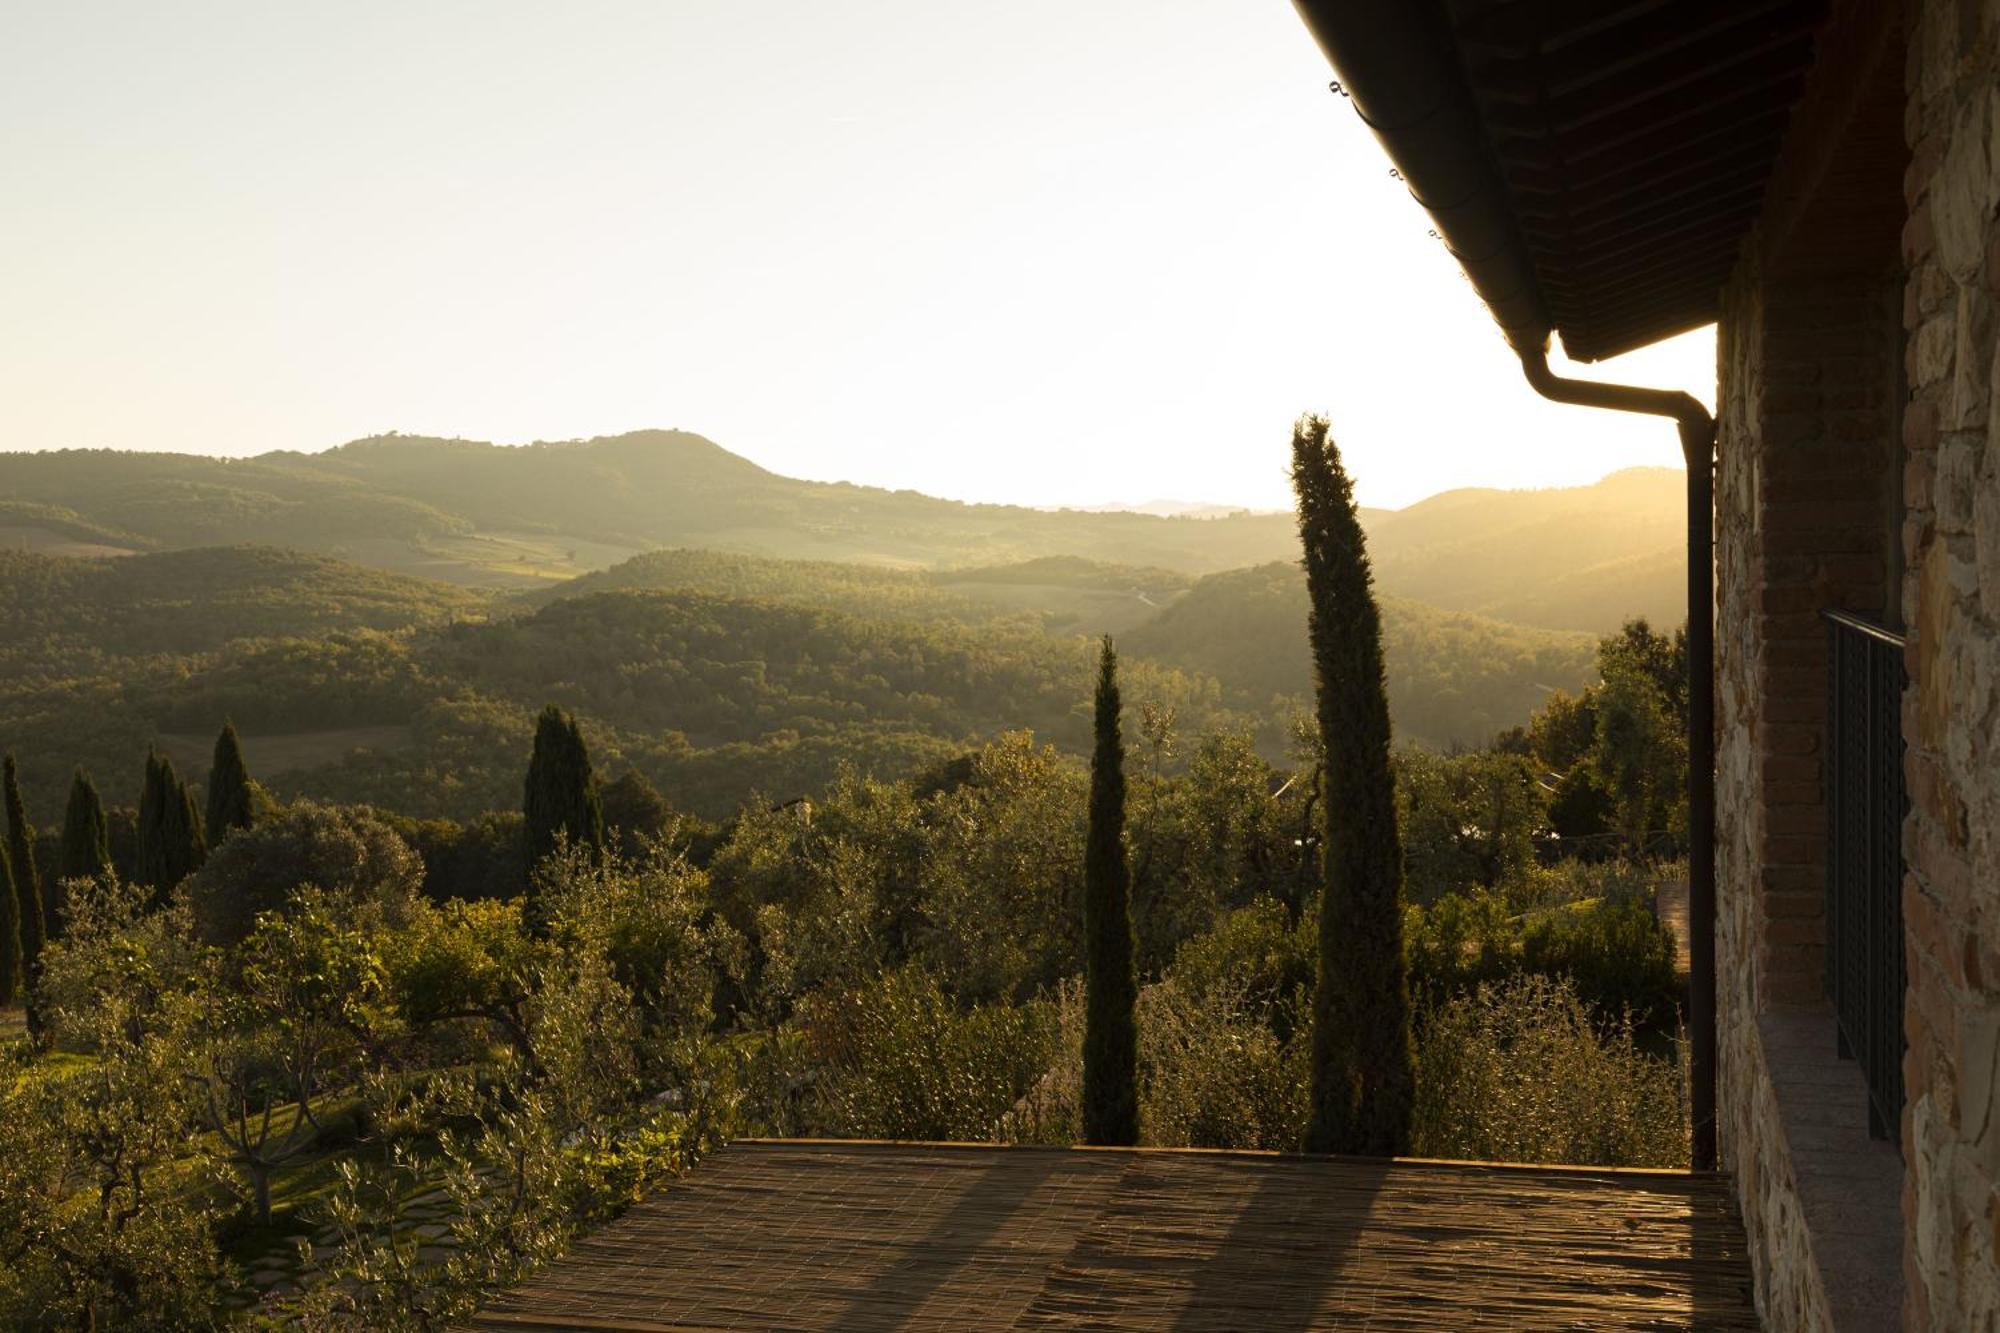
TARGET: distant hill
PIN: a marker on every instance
(1059, 593)
(1454, 679)
(487, 515)
(195, 601)
(1576, 557)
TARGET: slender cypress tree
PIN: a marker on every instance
(170, 843)
(1361, 1064)
(559, 799)
(86, 837)
(231, 800)
(10, 937)
(1110, 1033)
(27, 878)
(148, 835)
(86, 845)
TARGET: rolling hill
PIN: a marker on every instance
(486, 515)
(717, 675)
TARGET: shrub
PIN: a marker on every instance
(899, 1060)
(1213, 1073)
(1518, 1072)
(1614, 952)
(350, 852)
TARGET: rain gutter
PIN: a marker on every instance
(1399, 66)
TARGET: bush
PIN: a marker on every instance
(1517, 1072)
(898, 1060)
(1213, 1073)
(1617, 956)
(1612, 951)
(350, 852)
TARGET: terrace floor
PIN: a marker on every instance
(795, 1234)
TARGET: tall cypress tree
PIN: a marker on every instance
(10, 937)
(559, 799)
(86, 837)
(27, 877)
(86, 842)
(232, 801)
(1110, 1033)
(1361, 1064)
(170, 843)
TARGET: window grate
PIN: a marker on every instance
(1865, 803)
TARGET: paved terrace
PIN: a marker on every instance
(793, 1234)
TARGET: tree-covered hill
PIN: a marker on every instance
(1579, 557)
(716, 674)
(1454, 679)
(486, 513)
(55, 611)
(1061, 593)
(474, 513)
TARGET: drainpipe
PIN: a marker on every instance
(1697, 429)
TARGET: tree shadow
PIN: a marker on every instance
(895, 1296)
(1286, 1247)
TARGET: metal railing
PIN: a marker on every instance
(1865, 803)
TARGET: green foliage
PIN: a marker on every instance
(233, 799)
(1361, 1073)
(86, 839)
(897, 1059)
(560, 802)
(30, 921)
(1467, 820)
(1609, 948)
(103, 1207)
(171, 846)
(12, 980)
(348, 852)
(1454, 678)
(1615, 953)
(1621, 748)
(1521, 1072)
(281, 1024)
(1110, 1042)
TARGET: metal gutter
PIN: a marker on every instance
(1399, 66)
(1697, 431)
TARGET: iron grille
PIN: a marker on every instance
(1865, 804)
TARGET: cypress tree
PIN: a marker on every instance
(231, 798)
(86, 844)
(27, 878)
(170, 843)
(1110, 1034)
(1361, 1064)
(10, 937)
(86, 837)
(559, 798)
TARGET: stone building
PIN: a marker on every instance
(1821, 181)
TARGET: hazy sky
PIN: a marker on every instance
(1048, 251)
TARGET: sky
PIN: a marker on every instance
(1044, 252)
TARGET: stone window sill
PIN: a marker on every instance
(1850, 1186)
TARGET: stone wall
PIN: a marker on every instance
(1951, 600)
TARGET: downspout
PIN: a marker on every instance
(1398, 67)
(1697, 430)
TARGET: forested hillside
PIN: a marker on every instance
(1581, 557)
(492, 516)
(483, 513)
(716, 674)
(1454, 679)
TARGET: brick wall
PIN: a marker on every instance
(1951, 601)
(1808, 450)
